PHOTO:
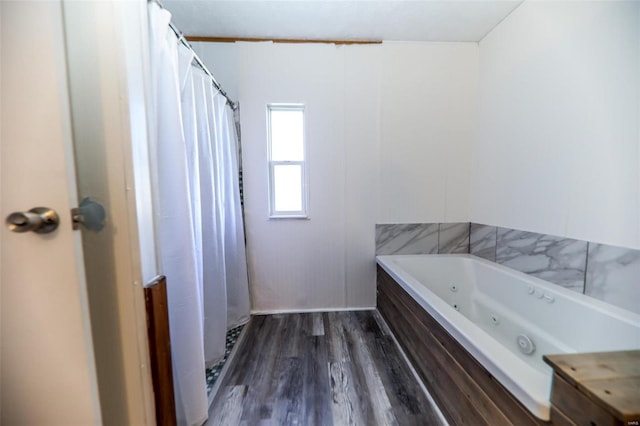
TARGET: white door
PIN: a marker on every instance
(48, 375)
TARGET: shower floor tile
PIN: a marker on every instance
(214, 372)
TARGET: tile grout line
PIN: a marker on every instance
(586, 266)
(495, 248)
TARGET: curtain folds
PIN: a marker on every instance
(199, 220)
(215, 274)
(238, 306)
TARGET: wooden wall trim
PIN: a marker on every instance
(465, 391)
(155, 295)
(278, 40)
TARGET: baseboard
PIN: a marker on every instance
(304, 311)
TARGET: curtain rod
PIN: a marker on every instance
(197, 59)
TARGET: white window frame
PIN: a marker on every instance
(296, 214)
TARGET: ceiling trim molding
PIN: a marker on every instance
(277, 40)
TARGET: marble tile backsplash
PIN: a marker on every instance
(608, 273)
(407, 238)
(613, 275)
(453, 238)
(482, 241)
(558, 260)
(422, 238)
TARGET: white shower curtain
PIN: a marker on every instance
(215, 274)
(238, 306)
(196, 200)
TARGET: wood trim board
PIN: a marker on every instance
(160, 351)
(278, 40)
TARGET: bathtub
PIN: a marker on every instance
(507, 320)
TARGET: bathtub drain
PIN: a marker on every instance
(525, 344)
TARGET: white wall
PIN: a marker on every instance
(222, 61)
(428, 109)
(297, 264)
(535, 128)
(558, 141)
(388, 134)
(135, 35)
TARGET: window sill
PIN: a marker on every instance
(295, 217)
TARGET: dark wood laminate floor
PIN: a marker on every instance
(336, 368)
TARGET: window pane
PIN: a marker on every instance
(286, 135)
(287, 187)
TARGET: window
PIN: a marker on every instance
(287, 167)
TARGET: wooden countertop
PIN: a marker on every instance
(609, 379)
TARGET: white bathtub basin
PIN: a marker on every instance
(495, 312)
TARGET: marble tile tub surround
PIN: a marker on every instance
(607, 273)
(407, 238)
(453, 238)
(482, 241)
(613, 275)
(558, 260)
(422, 238)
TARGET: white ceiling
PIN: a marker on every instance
(417, 20)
